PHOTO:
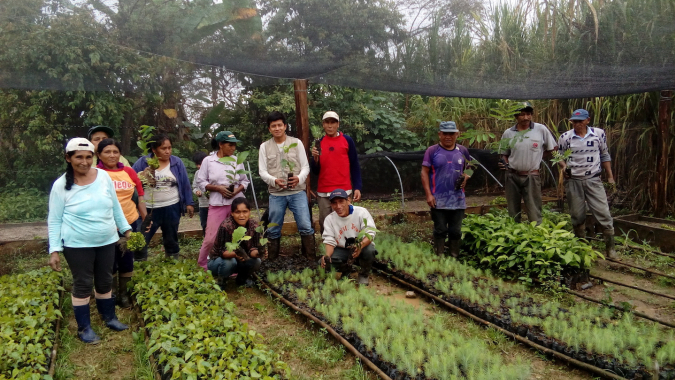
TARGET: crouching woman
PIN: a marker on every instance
(84, 217)
(243, 261)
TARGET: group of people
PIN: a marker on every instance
(523, 147)
(100, 200)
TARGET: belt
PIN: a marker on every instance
(525, 172)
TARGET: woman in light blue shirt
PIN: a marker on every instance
(84, 217)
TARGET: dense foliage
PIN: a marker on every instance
(399, 334)
(193, 331)
(524, 250)
(597, 334)
(17, 204)
(29, 308)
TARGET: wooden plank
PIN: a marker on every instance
(660, 237)
(302, 120)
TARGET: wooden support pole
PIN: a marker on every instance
(302, 117)
(665, 104)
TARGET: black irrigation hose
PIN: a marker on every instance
(635, 312)
(334, 333)
(632, 287)
(641, 268)
(55, 347)
(548, 351)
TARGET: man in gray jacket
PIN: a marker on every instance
(283, 165)
(522, 149)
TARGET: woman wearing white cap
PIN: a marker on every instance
(84, 217)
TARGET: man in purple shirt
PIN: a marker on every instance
(444, 179)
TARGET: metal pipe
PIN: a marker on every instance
(399, 181)
(253, 189)
(487, 171)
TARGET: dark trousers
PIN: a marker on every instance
(203, 217)
(124, 260)
(341, 255)
(447, 223)
(168, 218)
(90, 266)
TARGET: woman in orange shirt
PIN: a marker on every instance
(126, 183)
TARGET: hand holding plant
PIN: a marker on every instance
(238, 236)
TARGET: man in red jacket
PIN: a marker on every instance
(337, 165)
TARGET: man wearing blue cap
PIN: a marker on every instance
(341, 228)
(522, 148)
(444, 179)
(590, 154)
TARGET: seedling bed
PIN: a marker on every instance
(193, 332)
(599, 336)
(377, 330)
(29, 316)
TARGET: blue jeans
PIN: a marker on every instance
(226, 267)
(297, 203)
(203, 217)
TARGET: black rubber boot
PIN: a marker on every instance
(107, 309)
(123, 293)
(308, 247)
(273, 246)
(454, 248)
(608, 236)
(84, 330)
(115, 286)
(580, 231)
(439, 245)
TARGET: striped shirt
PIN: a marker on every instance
(588, 152)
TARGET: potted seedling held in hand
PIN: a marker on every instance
(238, 236)
(556, 160)
(287, 164)
(354, 244)
(317, 133)
(147, 176)
(231, 170)
(262, 248)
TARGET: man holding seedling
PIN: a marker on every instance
(589, 155)
(522, 149)
(336, 164)
(443, 179)
(348, 235)
(283, 165)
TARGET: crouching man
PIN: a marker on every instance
(341, 229)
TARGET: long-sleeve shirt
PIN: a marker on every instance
(84, 216)
(214, 172)
(337, 229)
(338, 166)
(269, 179)
(225, 236)
(178, 170)
(203, 200)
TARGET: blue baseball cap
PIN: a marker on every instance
(580, 114)
(338, 193)
(448, 126)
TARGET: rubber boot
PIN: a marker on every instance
(84, 330)
(364, 272)
(610, 252)
(123, 293)
(106, 307)
(273, 246)
(454, 248)
(308, 247)
(439, 245)
(580, 231)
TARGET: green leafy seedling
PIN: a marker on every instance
(238, 236)
(136, 241)
(232, 171)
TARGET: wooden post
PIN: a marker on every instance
(664, 143)
(302, 117)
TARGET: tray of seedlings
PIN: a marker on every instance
(193, 333)
(402, 342)
(602, 337)
(29, 319)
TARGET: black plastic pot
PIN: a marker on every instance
(231, 187)
(317, 145)
(146, 221)
(289, 178)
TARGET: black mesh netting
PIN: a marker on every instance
(469, 48)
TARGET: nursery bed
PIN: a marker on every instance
(496, 308)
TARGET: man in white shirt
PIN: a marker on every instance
(283, 165)
(340, 234)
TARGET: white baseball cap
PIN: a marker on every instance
(331, 115)
(79, 143)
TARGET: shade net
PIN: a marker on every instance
(521, 49)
